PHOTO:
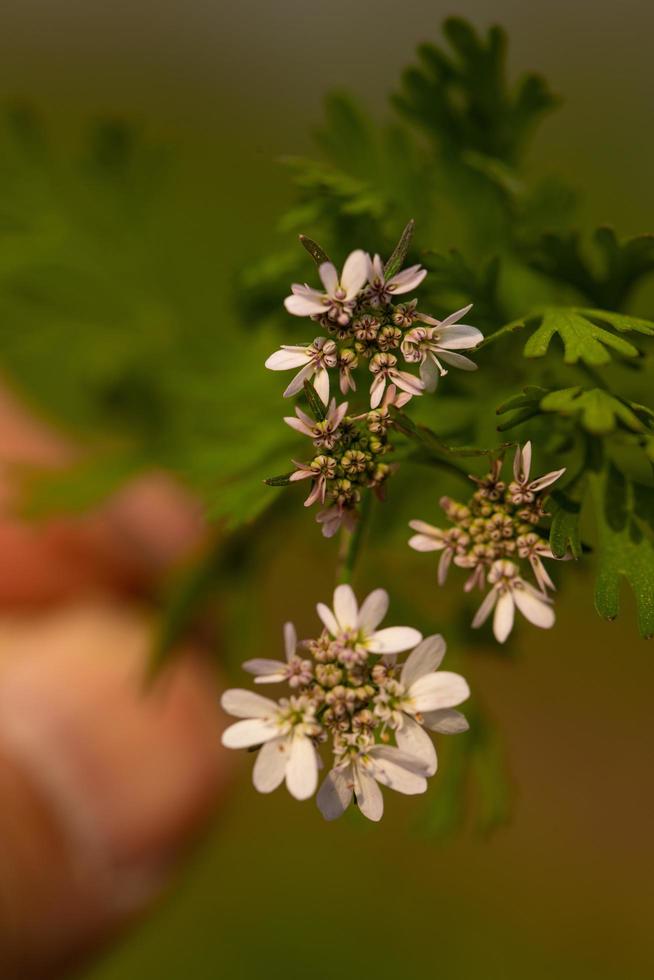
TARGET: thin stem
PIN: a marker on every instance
(351, 542)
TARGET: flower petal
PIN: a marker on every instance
(321, 384)
(485, 609)
(346, 608)
(547, 480)
(421, 542)
(270, 765)
(298, 425)
(461, 337)
(394, 639)
(534, 608)
(444, 565)
(265, 671)
(355, 273)
(250, 731)
(406, 280)
(456, 316)
(438, 690)
(399, 771)
(447, 721)
(328, 277)
(246, 704)
(328, 618)
(457, 360)
(368, 794)
(290, 640)
(377, 390)
(426, 658)
(284, 360)
(503, 618)
(373, 610)
(413, 740)
(302, 768)
(425, 528)
(429, 374)
(522, 462)
(335, 793)
(298, 381)
(303, 305)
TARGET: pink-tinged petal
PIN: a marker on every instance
(395, 639)
(460, 337)
(290, 640)
(424, 528)
(304, 305)
(284, 360)
(413, 740)
(335, 793)
(397, 770)
(297, 383)
(328, 618)
(303, 417)
(485, 609)
(429, 373)
(331, 519)
(425, 659)
(447, 721)
(298, 425)
(401, 400)
(457, 360)
(408, 382)
(270, 765)
(376, 268)
(271, 671)
(368, 794)
(444, 565)
(504, 616)
(302, 768)
(438, 690)
(246, 704)
(541, 574)
(534, 608)
(405, 281)
(339, 414)
(346, 609)
(522, 462)
(317, 491)
(328, 277)
(373, 610)
(422, 542)
(547, 480)
(251, 731)
(377, 390)
(455, 317)
(355, 273)
(321, 384)
(389, 753)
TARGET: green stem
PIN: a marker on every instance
(351, 542)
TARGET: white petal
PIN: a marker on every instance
(391, 771)
(390, 754)
(270, 765)
(329, 277)
(373, 610)
(246, 704)
(321, 384)
(461, 337)
(420, 542)
(547, 480)
(290, 640)
(394, 639)
(444, 565)
(408, 279)
(485, 609)
(346, 608)
(328, 618)
(439, 690)
(455, 317)
(302, 768)
(298, 381)
(503, 618)
(457, 360)
(533, 608)
(447, 721)
(522, 462)
(335, 793)
(407, 382)
(413, 740)
(339, 414)
(377, 390)
(298, 425)
(368, 794)
(355, 273)
(271, 670)
(429, 374)
(251, 731)
(303, 305)
(426, 658)
(283, 360)
(425, 528)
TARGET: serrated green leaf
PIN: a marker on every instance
(564, 530)
(600, 411)
(582, 338)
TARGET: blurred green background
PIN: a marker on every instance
(563, 888)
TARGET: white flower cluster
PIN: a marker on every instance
(490, 535)
(348, 688)
(357, 310)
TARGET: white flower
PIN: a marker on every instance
(339, 298)
(359, 626)
(295, 670)
(382, 365)
(313, 361)
(381, 290)
(324, 433)
(522, 490)
(534, 548)
(320, 469)
(332, 518)
(359, 777)
(438, 342)
(285, 731)
(509, 591)
(429, 538)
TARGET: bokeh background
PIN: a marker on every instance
(562, 887)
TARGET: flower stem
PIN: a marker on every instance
(351, 542)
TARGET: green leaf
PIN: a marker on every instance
(564, 530)
(624, 550)
(316, 404)
(278, 481)
(318, 254)
(600, 411)
(396, 261)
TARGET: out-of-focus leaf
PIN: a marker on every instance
(396, 260)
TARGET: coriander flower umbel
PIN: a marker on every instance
(381, 290)
(508, 592)
(339, 298)
(349, 690)
(323, 432)
(313, 361)
(521, 489)
(346, 622)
